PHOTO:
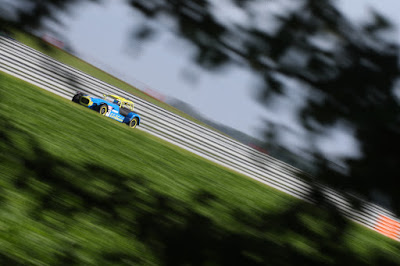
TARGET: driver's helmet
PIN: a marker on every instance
(116, 101)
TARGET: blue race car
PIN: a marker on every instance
(112, 106)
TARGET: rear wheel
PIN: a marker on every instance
(134, 122)
(103, 109)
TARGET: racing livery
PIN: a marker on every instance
(115, 107)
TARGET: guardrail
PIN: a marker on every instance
(41, 70)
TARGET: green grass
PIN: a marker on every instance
(73, 61)
(79, 188)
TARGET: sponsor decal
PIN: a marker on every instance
(116, 117)
(109, 110)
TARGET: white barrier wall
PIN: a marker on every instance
(30, 65)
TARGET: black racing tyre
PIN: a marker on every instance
(103, 109)
(76, 97)
(134, 122)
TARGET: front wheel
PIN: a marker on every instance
(103, 109)
(76, 97)
(134, 122)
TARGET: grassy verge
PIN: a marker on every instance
(79, 188)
